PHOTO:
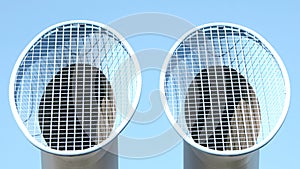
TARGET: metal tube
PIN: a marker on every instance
(196, 159)
(105, 158)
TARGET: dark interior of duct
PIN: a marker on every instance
(222, 110)
(77, 109)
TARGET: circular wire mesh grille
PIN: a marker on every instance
(225, 88)
(75, 87)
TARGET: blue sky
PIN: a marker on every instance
(277, 22)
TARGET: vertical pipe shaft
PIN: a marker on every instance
(105, 158)
(196, 159)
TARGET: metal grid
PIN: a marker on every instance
(75, 86)
(224, 88)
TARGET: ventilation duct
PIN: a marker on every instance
(226, 92)
(72, 91)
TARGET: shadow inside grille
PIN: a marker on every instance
(77, 109)
(221, 110)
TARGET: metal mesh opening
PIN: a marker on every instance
(74, 87)
(225, 88)
(77, 109)
(222, 110)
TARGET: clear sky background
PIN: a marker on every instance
(277, 21)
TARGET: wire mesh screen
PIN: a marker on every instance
(224, 88)
(75, 86)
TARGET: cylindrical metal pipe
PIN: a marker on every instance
(104, 158)
(73, 89)
(226, 92)
(196, 159)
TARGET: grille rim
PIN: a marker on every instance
(114, 132)
(179, 129)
